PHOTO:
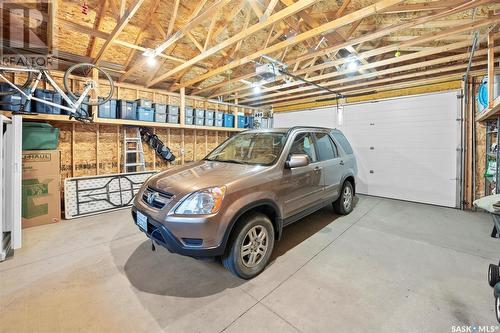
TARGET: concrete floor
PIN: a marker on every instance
(390, 266)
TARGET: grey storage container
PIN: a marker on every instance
(199, 113)
(189, 111)
(210, 114)
(219, 115)
(209, 122)
(219, 122)
(199, 121)
(188, 120)
(160, 108)
(174, 110)
(173, 119)
(160, 117)
(144, 103)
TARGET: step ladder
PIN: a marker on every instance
(133, 145)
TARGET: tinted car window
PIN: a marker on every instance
(303, 144)
(342, 140)
(326, 148)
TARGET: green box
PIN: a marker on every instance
(33, 189)
(40, 136)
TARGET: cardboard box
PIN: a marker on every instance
(41, 195)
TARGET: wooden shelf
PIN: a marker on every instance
(127, 122)
(490, 113)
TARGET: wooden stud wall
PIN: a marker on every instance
(96, 149)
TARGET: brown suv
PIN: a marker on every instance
(236, 201)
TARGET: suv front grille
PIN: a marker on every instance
(155, 198)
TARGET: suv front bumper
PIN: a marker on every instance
(161, 235)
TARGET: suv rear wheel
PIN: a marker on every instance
(343, 205)
(251, 245)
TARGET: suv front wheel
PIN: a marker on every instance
(250, 246)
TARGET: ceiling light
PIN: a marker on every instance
(352, 66)
(151, 61)
(256, 89)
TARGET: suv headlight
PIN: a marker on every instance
(206, 201)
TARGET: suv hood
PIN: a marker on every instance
(199, 175)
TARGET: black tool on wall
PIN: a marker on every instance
(155, 142)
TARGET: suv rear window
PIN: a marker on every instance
(342, 140)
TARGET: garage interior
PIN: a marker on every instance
(413, 85)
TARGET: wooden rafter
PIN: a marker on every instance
(196, 19)
(390, 48)
(374, 35)
(335, 24)
(119, 28)
(298, 6)
(97, 26)
(300, 93)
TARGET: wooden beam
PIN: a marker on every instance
(194, 41)
(269, 10)
(409, 67)
(191, 24)
(382, 50)
(209, 33)
(97, 26)
(123, 3)
(335, 24)
(119, 28)
(171, 22)
(298, 6)
(491, 69)
(372, 36)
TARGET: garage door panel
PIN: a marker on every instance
(406, 148)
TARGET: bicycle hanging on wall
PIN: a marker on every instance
(90, 89)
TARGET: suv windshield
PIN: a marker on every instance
(262, 148)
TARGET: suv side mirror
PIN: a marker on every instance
(296, 161)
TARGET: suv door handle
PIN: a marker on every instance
(341, 162)
(317, 169)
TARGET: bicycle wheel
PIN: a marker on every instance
(102, 92)
(15, 62)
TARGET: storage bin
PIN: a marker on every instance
(50, 96)
(219, 122)
(209, 122)
(160, 117)
(160, 108)
(199, 121)
(127, 109)
(144, 103)
(174, 110)
(219, 115)
(39, 136)
(145, 114)
(174, 119)
(13, 102)
(249, 123)
(228, 120)
(82, 108)
(108, 109)
(209, 114)
(482, 94)
(242, 121)
(189, 111)
(199, 113)
(188, 120)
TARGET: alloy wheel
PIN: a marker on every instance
(347, 197)
(254, 247)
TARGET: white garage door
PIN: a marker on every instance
(407, 148)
